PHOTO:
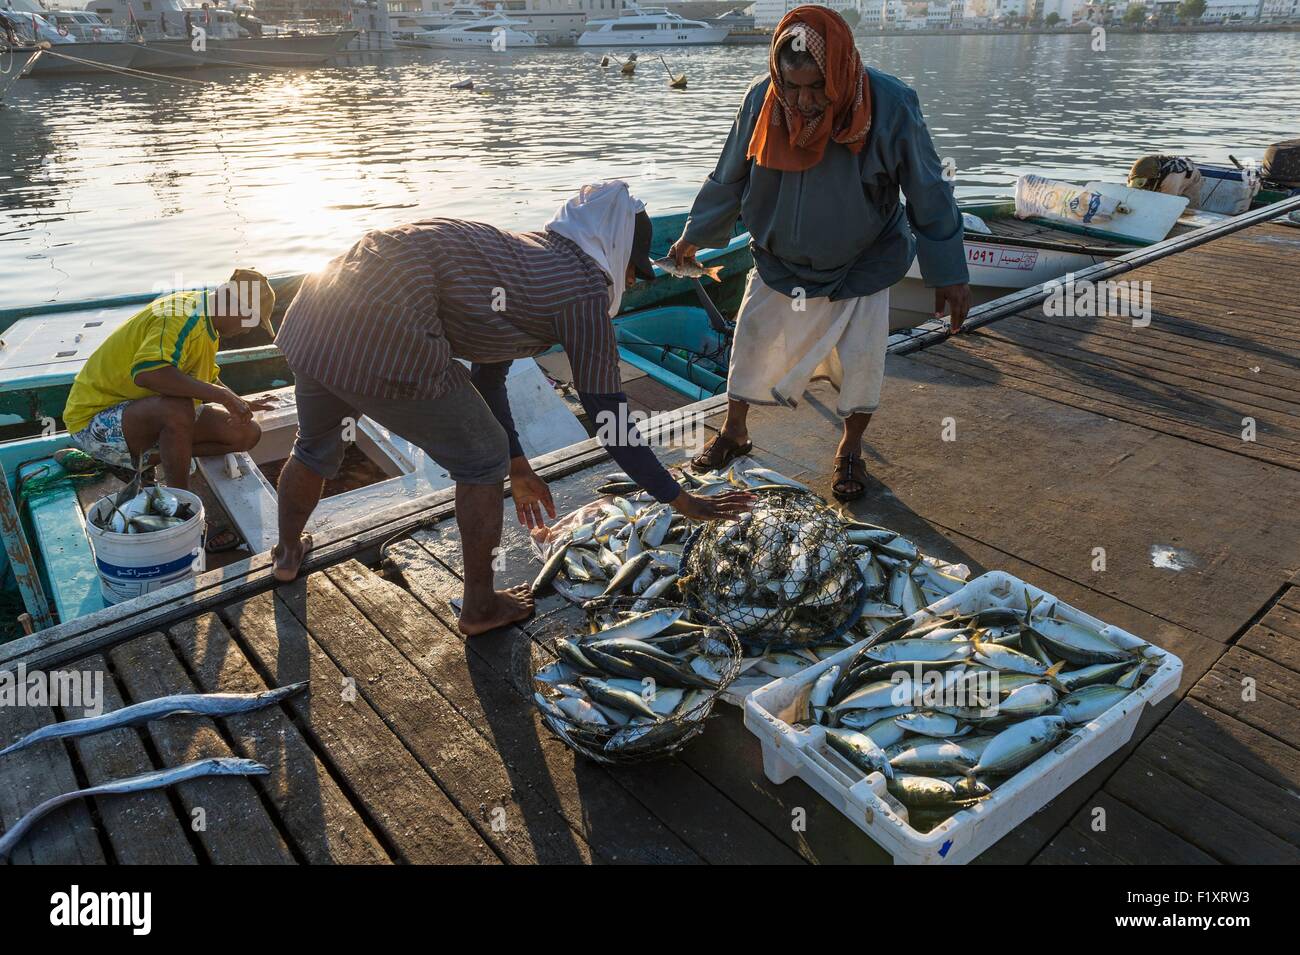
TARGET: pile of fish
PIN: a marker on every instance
(630, 685)
(153, 509)
(625, 544)
(584, 557)
(950, 708)
(779, 575)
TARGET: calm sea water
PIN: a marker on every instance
(109, 185)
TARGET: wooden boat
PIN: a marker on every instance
(43, 346)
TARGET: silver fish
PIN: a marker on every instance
(615, 698)
(181, 704)
(860, 750)
(551, 568)
(628, 573)
(1088, 703)
(689, 270)
(1021, 744)
(159, 779)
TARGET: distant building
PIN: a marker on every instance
(1218, 10)
(1280, 10)
(1040, 10)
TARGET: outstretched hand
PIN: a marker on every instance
(719, 507)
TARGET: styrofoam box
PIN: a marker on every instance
(789, 751)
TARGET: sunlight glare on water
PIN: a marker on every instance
(111, 185)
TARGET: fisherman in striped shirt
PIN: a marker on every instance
(378, 331)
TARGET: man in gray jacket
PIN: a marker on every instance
(814, 163)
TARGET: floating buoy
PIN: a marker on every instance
(628, 68)
(604, 60)
(463, 85)
(677, 82)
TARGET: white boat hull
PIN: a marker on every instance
(643, 38)
(475, 41)
(95, 55)
(22, 60)
(996, 269)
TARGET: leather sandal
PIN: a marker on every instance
(849, 479)
(718, 453)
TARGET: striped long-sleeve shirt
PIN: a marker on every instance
(387, 318)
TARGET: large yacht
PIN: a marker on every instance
(470, 26)
(650, 27)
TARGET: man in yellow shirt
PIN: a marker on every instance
(153, 385)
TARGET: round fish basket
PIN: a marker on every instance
(620, 686)
(783, 576)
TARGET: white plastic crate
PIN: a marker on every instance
(789, 751)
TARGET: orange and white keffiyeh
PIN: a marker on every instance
(783, 139)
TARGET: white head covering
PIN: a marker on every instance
(600, 220)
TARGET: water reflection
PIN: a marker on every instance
(113, 185)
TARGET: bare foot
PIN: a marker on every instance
(503, 608)
(286, 561)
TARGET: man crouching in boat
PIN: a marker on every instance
(379, 331)
(813, 165)
(152, 390)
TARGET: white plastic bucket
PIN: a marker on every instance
(133, 564)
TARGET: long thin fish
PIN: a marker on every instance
(182, 704)
(159, 779)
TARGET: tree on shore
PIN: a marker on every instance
(1054, 18)
(1136, 13)
(1191, 10)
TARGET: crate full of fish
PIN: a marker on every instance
(948, 729)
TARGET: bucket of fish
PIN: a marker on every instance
(782, 575)
(626, 686)
(145, 543)
(941, 733)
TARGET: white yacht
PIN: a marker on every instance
(85, 26)
(650, 27)
(482, 30)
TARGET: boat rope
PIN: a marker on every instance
(213, 61)
(127, 71)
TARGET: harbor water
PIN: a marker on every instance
(111, 185)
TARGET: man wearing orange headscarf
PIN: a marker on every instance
(814, 164)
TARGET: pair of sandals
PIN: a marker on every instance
(848, 480)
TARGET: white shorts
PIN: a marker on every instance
(778, 350)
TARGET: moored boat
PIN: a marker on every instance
(20, 59)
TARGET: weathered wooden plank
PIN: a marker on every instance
(318, 816)
(380, 774)
(143, 827)
(1132, 837)
(667, 796)
(1255, 751)
(1072, 847)
(65, 837)
(1196, 817)
(225, 813)
(1262, 801)
(507, 812)
(1243, 686)
(1279, 648)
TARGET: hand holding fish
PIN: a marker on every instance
(718, 507)
(683, 253)
(530, 494)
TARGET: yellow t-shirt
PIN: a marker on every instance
(172, 330)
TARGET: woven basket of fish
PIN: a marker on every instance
(624, 685)
(782, 575)
(944, 731)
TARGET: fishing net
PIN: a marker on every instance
(547, 675)
(782, 576)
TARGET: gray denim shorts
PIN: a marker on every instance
(457, 430)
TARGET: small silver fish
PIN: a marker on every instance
(690, 270)
(159, 779)
(200, 704)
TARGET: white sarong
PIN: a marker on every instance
(778, 350)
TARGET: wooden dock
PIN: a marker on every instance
(1070, 435)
